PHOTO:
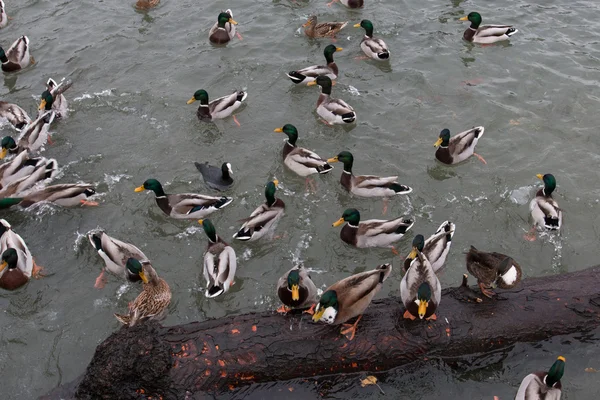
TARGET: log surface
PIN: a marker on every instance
(222, 354)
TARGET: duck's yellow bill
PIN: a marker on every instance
(3, 153)
(42, 104)
(144, 277)
(465, 18)
(311, 83)
(357, 25)
(413, 253)
(231, 21)
(333, 159)
(338, 222)
(279, 130)
(295, 292)
(307, 23)
(422, 308)
(3, 265)
(561, 358)
(139, 189)
(540, 176)
(200, 221)
(438, 142)
(275, 182)
(190, 101)
(317, 315)
(339, 48)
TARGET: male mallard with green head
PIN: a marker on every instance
(349, 298)
(53, 98)
(220, 262)
(332, 110)
(17, 56)
(460, 147)
(224, 29)
(420, 288)
(184, 205)
(543, 385)
(373, 47)
(296, 289)
(492, 269)
(219, 108)
(33, 136)
(263, 219)
(18, 264)
(546, 213)
(309, 74)
(485, 34)
(435, 248)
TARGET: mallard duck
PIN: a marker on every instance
(300, 160)
(296, 290)
(219, 262)
(367, 185)
(216, 178)
(324, 29)
(310, 74)
(544, 209)
(459, 147)
(219, 108)
(435, 248)
(19, 167)
(349, 298)
(348, 3)
(264, 219)
(146, 4)
(17, 263)
(36, 171)
(116, 255)
(152, 303)
(541, 385)
(3, 16)
(372, 232)
(66, 195)
(33, 136)
(17, 56)
(14, 114)
(224, 29)
(493, 269)
(373, 47)
(420, 289)
(333, 111)
(184, 205)
(53, 98)
(486, 34)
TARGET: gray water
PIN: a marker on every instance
(537, 97)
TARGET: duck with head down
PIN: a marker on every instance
(543, 385)
(491, 269)
(17, 56)
(220, 262)
(323, 29)
(435, 248)
(263, 219)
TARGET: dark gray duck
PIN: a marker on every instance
(215, 177)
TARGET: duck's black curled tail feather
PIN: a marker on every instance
(407, 224)
(551, 223)
(349, 117)
(296, 77)
(323, 169)
(96, 241)
(511, 31)
(386, 270)
(214, 291)
(400, 189)
(383, 55)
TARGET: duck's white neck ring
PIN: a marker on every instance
(346, 172)
(474, 30)
(352, 226)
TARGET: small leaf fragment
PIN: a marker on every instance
(369, 380)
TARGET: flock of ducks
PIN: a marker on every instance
(23, 182)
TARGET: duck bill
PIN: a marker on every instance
(307, 23)
(278, 130)
(339, 48)
(413, 253)
(42, 104)
(422, 308)
(275, 182)
(3, 153)
(144, 277)
(295, 292)
(190, 101)
(338, 222)
(438, 143)
(139, 189)
(3, 266)
(333, 159)
(540, 176)
(311, 83)
(318, 314)
(200, 221)
(357, 25)
(231, 21)
(465, 18)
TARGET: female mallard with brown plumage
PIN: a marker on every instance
(14, 114)
(332, 110)
(220, 262)
(264, 219)
(349, 298)
(372, 232)
(435, 248)
(493, 269)
(224, 29)
(420, 289)
(486, 34)
(373, 47)
(458, 148)
(309, 74)
(152, 303)
(17, 56)
(184, 205)
(296, 289)
(323, 29)
(543, 385)
(219, 108)
(146, 4)
(546, 213)
(300, 160)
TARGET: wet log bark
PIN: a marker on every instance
(222, 354)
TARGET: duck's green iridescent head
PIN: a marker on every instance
(423, 298)
(417, 245)
(556, 372)
(367, 26)
(328, 52)
(443, 139)
(8, 143)
(223, 18)
(291, 132)
(200, 95)
(325, 83)
(47, 101)
(3, 57)
(135, 267)
(270, 189)
(351, 216)
(209, 229)
(344, 157)
(328, 307)
(9, 259)
(549, 183)
(151, 184)
(474, 18)
(293, 281)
